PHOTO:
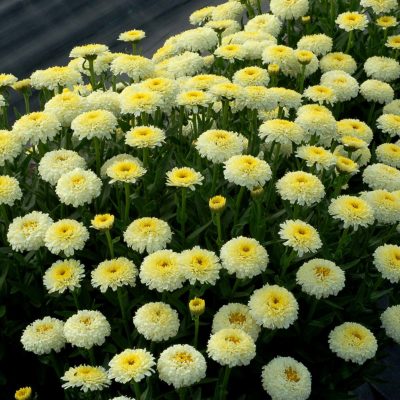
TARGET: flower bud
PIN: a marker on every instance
(197, 306)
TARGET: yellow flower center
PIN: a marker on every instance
(291, 375)
(42, 328)
(322, 272)
(29, 226)
(232, 339)
(183, 357)
(237, 318)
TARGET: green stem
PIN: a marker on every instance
(349, 42)
(219, 230)
(96, 143)
(183, 211)
(91, 356)
(302, 78)
(136, 389)
(182, 393)
(92, 73)
(123, 313)
(214, 179)
(26, 101)
(224, 385)
(134, 48)
(127, 202)
(145, 157)
(196, 330)
(238, 202)
(110, 243)
(76, 300)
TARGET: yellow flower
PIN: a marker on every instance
(304, 57)
(23, 393)
(133, 35)
(7, 80)
(102, 221)
(350, 21)
(386, 21)
(197, 306)
(184, 177)
(128, 171)
(22, 84)
(217, 203)
(145, 136)
(393, 42)
(88, 51)
(63, 275)
(344, 164)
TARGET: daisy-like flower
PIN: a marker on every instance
(264, 23)
(391, 322)
(385, 204)
(97, 123)
(300, 187)
(355, 128)
(156, 321)
(237, 316)
(193, 99)
(217, 203)
(300, 236)
(382, 68)
(114, 273)
(289, 9)
(127, 170)
(86, 329)
(281, 131)
(136, 67)
(88, 50)
(352, 210)
(386, 21)
(251, 76)
(10, 146)
(393, 42)
(184, 177)
(392, 108)
(273, 307)
(161, 271)
(316, 155)
(23, 393)
(131, 365)
(199, 265)
(350, 21)
(382, 176)
(44, 335)
(78, 187)
(231, 52)
(244, 257)
(145, 136)
(346, 165)
(27, 233)
(64, 275)
(389, 153)
(86, 378)
(320, 278)
(353, 342)
(387, 262)
(284, 378)
(7, 80)
(10, 191)
(389, 123)
(218, 145)
(247, 171)
(66, 235)
(134, 35)
(56, 77)
(321, 94)
(338, 62)
(380, 6)
(377, 91)
(319, 44)
(136, 102)
(231, 347)
(181, 365)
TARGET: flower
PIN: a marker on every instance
(78, 187)
(27, 233)
(386, 21)
(320, 94)
(389, 153)
(145, 136)
(161, 271)
(87, 328)
(147, 234)
(319, 44)
(114, 273)
(63, 275)
(54, 78)
(131, 365)
(37, 126)
(355, 128)
(393, 42)
(156, 321)
(392, 108)
(231, 52)
(137, 102)
(256, 98)
(251, 76)
(299, 235)
(193, 99)
(10, 146)
(108, 101)
(201, 15)
(218, 145)
(353, 342)
(127, 170)
(316, 155)
(281, 55)
(382, 68)
(133, 35)
(7, 80)
(352, 210)
(197, 307)
(43, 335)
(237, 316)
(23, 393)
(231, 347)
(281, 131)
(94, 124)
(389, 123)
(199, 265)
(343, 84)
(320, 278)
(289, 9)
(300, 187)
(264, 23)
(273, 307)
(247, 171)
(10, 191)
(376, 91)
(86, 378)
(382, 176)
(386, 205)
(136, 67)
(184, 177)
(217, 203)
(387, 261)
(338, 62)
(230, 10)
(56, 163)
(350, 21)
(66, 235)
(88, 50)
(380, 6)
(284, 378)
(65, 107)
(390, 319)
(181, 365)
(244, 256)
(102, 222)
(186, 64)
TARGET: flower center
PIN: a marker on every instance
(291, 375)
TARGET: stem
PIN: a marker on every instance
(123, 313)
(75, 297)
(110, 243)
(127, 202)
(196, 330)
(219, 230)
(91, 356)
(302, 78)
(183, 211)
(349, 42)
(97, 152)
(92, 73)
(214, 178)
(26, 101)
(224, 385)
(134, 48)
(136, 389)
(182, 393)
(145, 157)
(238, 202)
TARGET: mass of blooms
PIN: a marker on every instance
(220, 220)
